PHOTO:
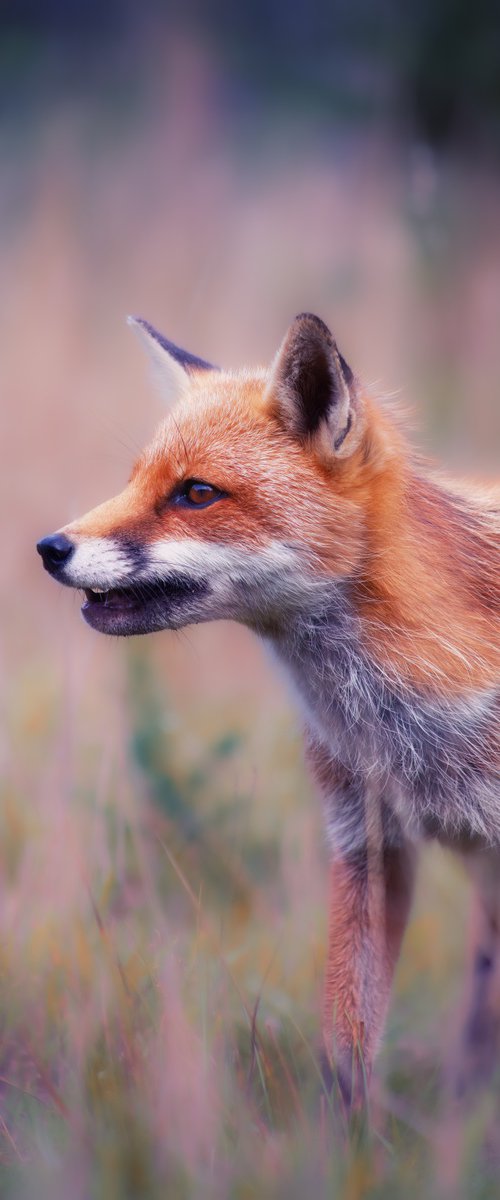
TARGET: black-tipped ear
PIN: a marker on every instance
(311, 384)
(171, 365)
(189, 361)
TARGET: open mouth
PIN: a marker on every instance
(140, 608)
(120, 598)
(136, 596)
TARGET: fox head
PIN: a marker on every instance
(250, 498)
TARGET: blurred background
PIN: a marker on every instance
(215, 169)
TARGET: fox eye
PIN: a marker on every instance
(193, 493)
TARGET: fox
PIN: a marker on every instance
(291, 499)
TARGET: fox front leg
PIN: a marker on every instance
(371, 882)
(477, 1055)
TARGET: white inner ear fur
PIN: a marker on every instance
(169, 378)
(342, 414)
(340, 433)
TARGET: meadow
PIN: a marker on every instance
(162, 863)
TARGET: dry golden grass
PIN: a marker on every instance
(162, 866)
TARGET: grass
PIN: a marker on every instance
(161, 966)
(162, 867)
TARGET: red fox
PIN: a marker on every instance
(289, 499)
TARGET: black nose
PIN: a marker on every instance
(55, 551)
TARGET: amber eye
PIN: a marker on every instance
(193, 493)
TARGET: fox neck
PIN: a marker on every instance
(418, 618)
(433, 760)
(423, 600)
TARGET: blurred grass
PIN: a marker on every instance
(159, 994)
(162, 868)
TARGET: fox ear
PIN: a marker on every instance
(312, 389)
(171, 365)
